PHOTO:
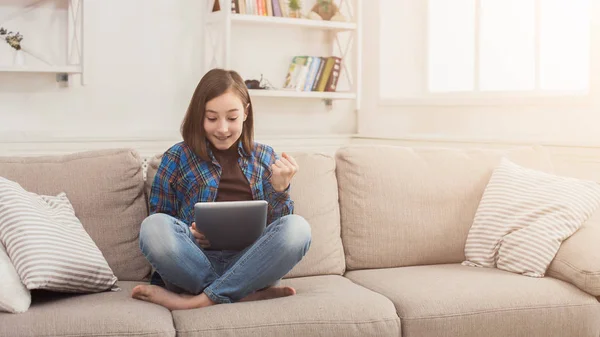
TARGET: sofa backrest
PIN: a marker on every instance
(414, 206)
(315, 194)
(106, 190)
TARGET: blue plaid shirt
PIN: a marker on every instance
(183, 179)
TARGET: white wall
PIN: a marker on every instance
(141, 68)
(553, 122)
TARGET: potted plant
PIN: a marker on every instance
(295, 7)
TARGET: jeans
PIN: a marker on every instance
(224, 276)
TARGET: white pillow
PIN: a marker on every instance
(47, 244)
(523, 217)
(14, 296)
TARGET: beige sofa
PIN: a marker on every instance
(389, 226)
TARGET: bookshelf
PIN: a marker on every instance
(226, 23)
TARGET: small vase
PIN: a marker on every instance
(19, 58)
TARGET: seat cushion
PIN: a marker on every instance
(323, 306)
(106, 190)
(101, 314)
(315, 194)
(404, 206)
(455, 300)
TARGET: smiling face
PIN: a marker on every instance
(224, 120)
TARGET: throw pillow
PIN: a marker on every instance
(47, 244)
(14, 297)
(523, 217)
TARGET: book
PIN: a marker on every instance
(294, 70)
(269, 5)
(335, 74)
(325, 74)
(312, 73)
(304, 73)
(284, 8)
(250, 7)
(277, 9)
(319, 73)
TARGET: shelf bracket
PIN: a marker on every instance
(62, 77)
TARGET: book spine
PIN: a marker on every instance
(335, 75)
(312, 73)
(319, 73)
(276, 9)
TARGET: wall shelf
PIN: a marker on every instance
(73, 64)
(280, 21)
(42, 69)
(301, 94)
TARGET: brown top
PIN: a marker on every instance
(233, 185)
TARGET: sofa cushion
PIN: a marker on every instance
(315, 194)
(323, 306)
(14, 296)
(100, 314)
(455, 300)
(524, 216)
(106, 190)
(414, 206)
(48, 245)
(578, 259)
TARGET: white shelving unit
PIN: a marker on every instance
(74, 63)
(224, 23)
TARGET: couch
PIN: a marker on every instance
(389, 225)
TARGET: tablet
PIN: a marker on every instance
(231, 225)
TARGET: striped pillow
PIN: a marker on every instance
(523, 217)
(47, 244)
(14, 297)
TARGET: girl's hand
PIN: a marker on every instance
(199, 236)
(283, 171)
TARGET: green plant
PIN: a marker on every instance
(325, 4)
(13, 39)
(294, 5)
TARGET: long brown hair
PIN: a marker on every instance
(213, 84)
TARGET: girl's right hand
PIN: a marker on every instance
(199, 236)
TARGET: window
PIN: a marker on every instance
(484, 47)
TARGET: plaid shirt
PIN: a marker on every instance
(183, 179)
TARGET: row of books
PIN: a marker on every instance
(313, 73)
(260, 7)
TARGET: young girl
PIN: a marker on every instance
(219, 161)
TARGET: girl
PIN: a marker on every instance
(219, 161)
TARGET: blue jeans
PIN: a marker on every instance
(224, 276)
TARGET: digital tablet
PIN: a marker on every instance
(231, 225)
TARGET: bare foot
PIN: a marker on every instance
(168, 299)
(269, 293)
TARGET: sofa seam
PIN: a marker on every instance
(583, 285)
(497, 311)
(395, 319)
(112, 334)
(587, 273)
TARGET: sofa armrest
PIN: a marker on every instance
(578, 259)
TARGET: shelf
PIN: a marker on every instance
(292, 22)
(42, 69)
(301, 94)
